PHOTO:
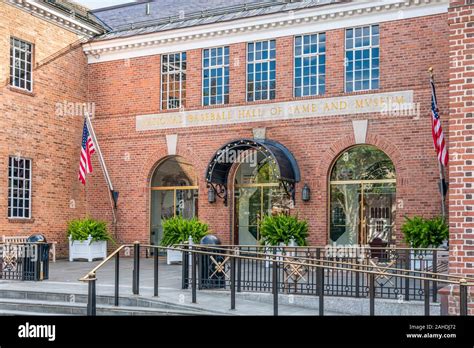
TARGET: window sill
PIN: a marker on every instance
(20, 221)
(21, 91)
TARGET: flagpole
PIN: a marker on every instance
(442, 180)
(112, 194)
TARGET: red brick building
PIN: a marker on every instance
(322, 104)
(334, 97)
(43, 76)
(461, 123)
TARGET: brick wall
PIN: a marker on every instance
(30, 127)
(408, 48)
(461, 144)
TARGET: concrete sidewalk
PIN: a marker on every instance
(64, 279)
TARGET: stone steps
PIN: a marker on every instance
(46, 303)
(8, 313)
(64, 308)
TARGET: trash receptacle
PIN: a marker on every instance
(211, 270)
(36, 258)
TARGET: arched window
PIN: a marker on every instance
(174, 192)
(362, 196)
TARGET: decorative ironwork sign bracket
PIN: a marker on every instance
(220, 191)
(290, 189)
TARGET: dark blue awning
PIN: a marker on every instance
(217, 171)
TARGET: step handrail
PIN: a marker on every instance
(470, 281)
(234, 254)
(358, 265)
(92, 273)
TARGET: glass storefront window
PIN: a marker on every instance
(362, 197)
(363, 162)
(174, 171)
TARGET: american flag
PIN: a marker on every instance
(437, 130)
(87, 149)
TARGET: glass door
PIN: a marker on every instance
(170, 203)
(345, 213)
(249, 207)
(379, 211)
(163, 204)
(257, 193)
(253, 202)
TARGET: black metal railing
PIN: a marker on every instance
(24, 261)
(228, 272)
(255, 274)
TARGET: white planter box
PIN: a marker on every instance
(421, 264)
(278, 252)
(173, 256)
(87, 249)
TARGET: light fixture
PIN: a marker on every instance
(211, 195)
(306, 193)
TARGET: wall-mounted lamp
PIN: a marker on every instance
(211, 195)
(306, 193)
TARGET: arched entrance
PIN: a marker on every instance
(174, 192)
(264, 182)
(362, 196)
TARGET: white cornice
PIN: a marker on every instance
(51, 15)
(262, 27)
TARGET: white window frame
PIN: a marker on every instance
(24, 178)
(23, 64)
(222, 66)
(268, 60)
(182, 103)
(303, 55)
(353, 49)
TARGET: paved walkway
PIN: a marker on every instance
(64, 278)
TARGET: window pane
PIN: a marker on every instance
(216, 74)
(362, 58)
(173, 88)
(261, 70)
(310, 63)
(20, 64)
(19, 172)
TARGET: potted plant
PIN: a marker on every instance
(178, 230)
(283, 230)
(424, 233)
(87, 239)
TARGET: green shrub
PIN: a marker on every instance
(80, 229)
(177, 230)
(282, 228)
(425, 233)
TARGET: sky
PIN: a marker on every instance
(93, 4)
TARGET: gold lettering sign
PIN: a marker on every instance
(321, 107)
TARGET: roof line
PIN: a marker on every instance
(76, 11)
(127, 4)
(211, 13)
